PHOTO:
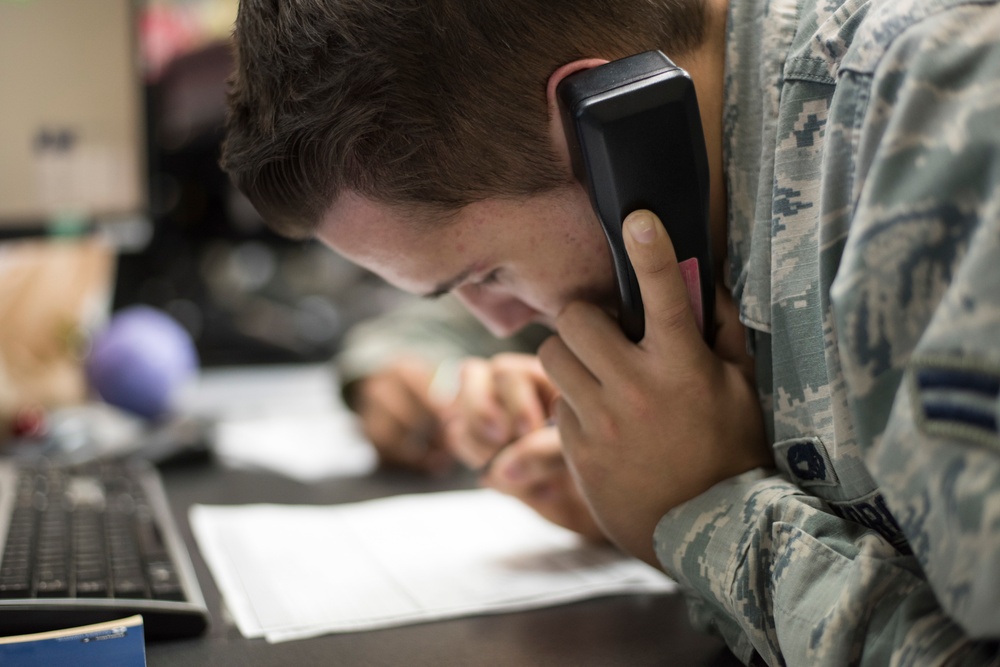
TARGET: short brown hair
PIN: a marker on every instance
(432, 103)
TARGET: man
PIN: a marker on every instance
(856, 142)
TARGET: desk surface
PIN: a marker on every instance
(632, 630)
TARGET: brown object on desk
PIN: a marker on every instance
(54, 291)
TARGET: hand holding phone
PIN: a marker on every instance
(635, 139)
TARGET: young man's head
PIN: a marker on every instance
(376, 123)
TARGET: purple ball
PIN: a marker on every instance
(140, 360)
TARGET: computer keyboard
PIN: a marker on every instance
(92, 542)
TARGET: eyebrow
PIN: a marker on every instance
(443, 288)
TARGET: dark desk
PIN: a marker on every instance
(624, 630)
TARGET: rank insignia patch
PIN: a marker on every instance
(957, 398)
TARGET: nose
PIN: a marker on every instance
(503, 314)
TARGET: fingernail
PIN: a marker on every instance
(641, 226)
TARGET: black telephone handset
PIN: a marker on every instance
(636, 142)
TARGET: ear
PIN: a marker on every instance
(556, 131)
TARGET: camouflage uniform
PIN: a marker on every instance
(436, 331)
(864, 188)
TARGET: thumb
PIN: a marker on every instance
(666, 297)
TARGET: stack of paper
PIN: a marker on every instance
(288, 572)
(286, 419)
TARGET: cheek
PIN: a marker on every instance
(573, 268)
(587, 270)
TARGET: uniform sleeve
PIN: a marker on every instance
(917, 314)
(780, 576)
(917, 303)
(436, 331)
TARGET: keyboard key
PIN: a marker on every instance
(92, 588)
(130, 586)
(15, 588)
(52, 585)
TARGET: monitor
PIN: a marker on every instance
(71, 113)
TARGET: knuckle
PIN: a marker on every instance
(674, 317)
(606, 427)
(573, 314)
(637, 402)
(472, 368)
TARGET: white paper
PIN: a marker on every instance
(289, 420)
(261, 391)
(307, 447)
(289, 572)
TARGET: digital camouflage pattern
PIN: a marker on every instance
(864, 194)
(437, 331)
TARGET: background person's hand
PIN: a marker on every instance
(500, 424)
(648, 426)
(534, 470)
(401, 418)
(499, 400)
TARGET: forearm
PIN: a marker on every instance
(777, 573)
